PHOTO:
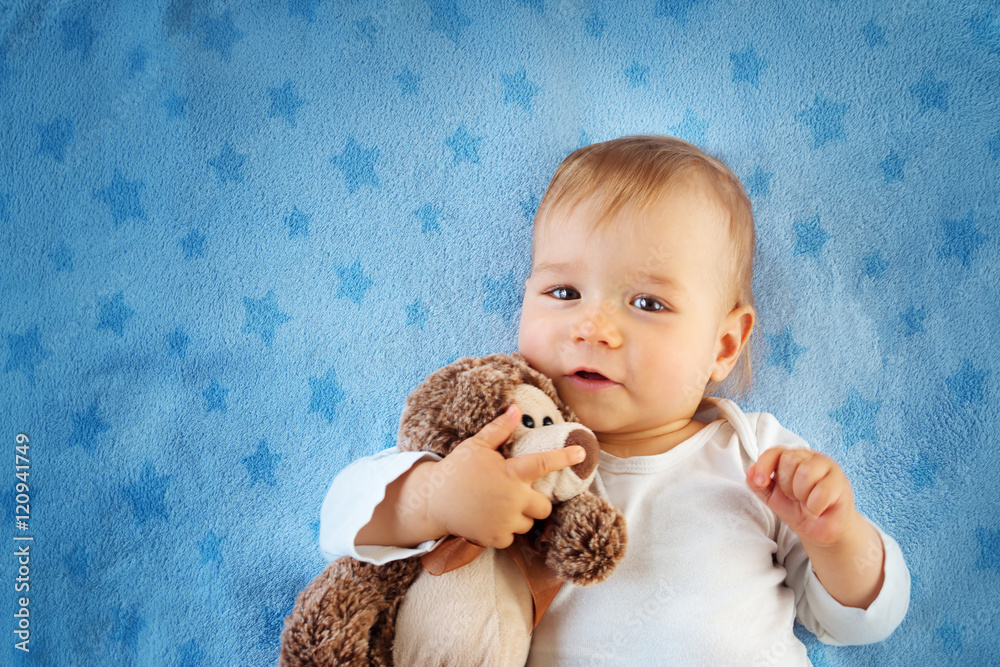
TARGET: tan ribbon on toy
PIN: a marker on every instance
(543, 583)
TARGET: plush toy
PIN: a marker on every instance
(462, 604)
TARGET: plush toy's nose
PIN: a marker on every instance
(586, 440)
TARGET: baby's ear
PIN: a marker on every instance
(734, 333)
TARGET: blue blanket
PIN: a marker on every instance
(235, 235)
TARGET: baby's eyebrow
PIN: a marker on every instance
(551, 267)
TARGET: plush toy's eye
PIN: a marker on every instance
(547, 421)
(528, 421)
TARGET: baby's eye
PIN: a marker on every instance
(563, 293)
(648, 303)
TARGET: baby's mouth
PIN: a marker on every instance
(588, 375)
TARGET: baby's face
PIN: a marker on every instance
(626, 320)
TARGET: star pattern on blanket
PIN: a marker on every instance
(825, 119)
(747, 66)
(416, 314)
(78, 35)
(913, 321)
(210, 548)
(177, 342)
(4, 204)
(61, 256)
(691, 128)
(409, 83)
(464, 146)
(594, 25)
(54, 137)
(949, 636)
(122, 198)
(518, 90)
(501, 297)
(857, 418)
(930, 93)
(128, 624)
(352, 282)
(215, 397)
(175, 105)
(989, 549)
(448, 19)
(357, 164)
(147, 495)
(676, 9)
(189, 654)
(193, 244)
(967, 384)
(219, 34)
(26, 352)
(326, 395)
(994, 146)
(986, 32)
(784, 350)
(263, 317)
(924, 473)
(874, 34)
(114, 314)
(284, 102)
(758, 184)
(87, 428)
(304, 8)
(137, 59)
(260, 465)
(892, 167)
(228, 164)
(637, 74)
(77, 563)
(429, 216)
(874, 264)
(961, 239)
(810, 237)
(297, 223)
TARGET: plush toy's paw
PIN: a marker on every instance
(346, 615)
(587, 539)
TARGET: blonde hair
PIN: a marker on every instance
(636, 171)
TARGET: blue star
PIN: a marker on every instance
(416, 313)
(4, 70)
(193, 244)
(875, 264)
(298, 223)
(857, 418)
(178, 342)
(690, 128)
(428, 215)
(636, 74)
(87, 426)
(211, 547)
(175, 105)
(219, 34)
(501, 296)
(215, 397)
(128, 624)
(122, 197)
(147, 495)
(537, 5)
(77, 563)
(962, 239)
(365, 31)
(594, 26)
(825, 119)
(913, 321)
(78, 34)
(967, 385)
(284, 102)
(784, 350)
(676, 9)
(137, 60)
(519, 90)
(26, 352)
(464, 145)
(747, 66)
(892, 167)
(326, 395)
(950, 637)
(114, 314)
(357, 164)
(874, 34)
(994, 146)
(4, 207)
(923, 473)
(62, 257)
(759, 182)
(810, 237)
(260, 465)
(353, 283)
(583, 140)
(529, 206)
(930, 93)
(447, 18)
(304, 8)
(263, 317)
(190, 654)
(54, 137)
(228, 164)
(986, 32)
(408, 82)
(989, 549)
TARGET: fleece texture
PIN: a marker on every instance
(234, 236)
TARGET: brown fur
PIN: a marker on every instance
(347, 615)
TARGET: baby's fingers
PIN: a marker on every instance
(531, 467)
(808, 473)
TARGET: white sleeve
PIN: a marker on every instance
(351, 501)
(815, 608)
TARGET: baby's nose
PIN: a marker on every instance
(585, 439)
(598, 327)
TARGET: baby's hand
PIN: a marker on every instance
(809, 492)
(477, 494)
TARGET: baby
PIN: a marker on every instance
(639, 306)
